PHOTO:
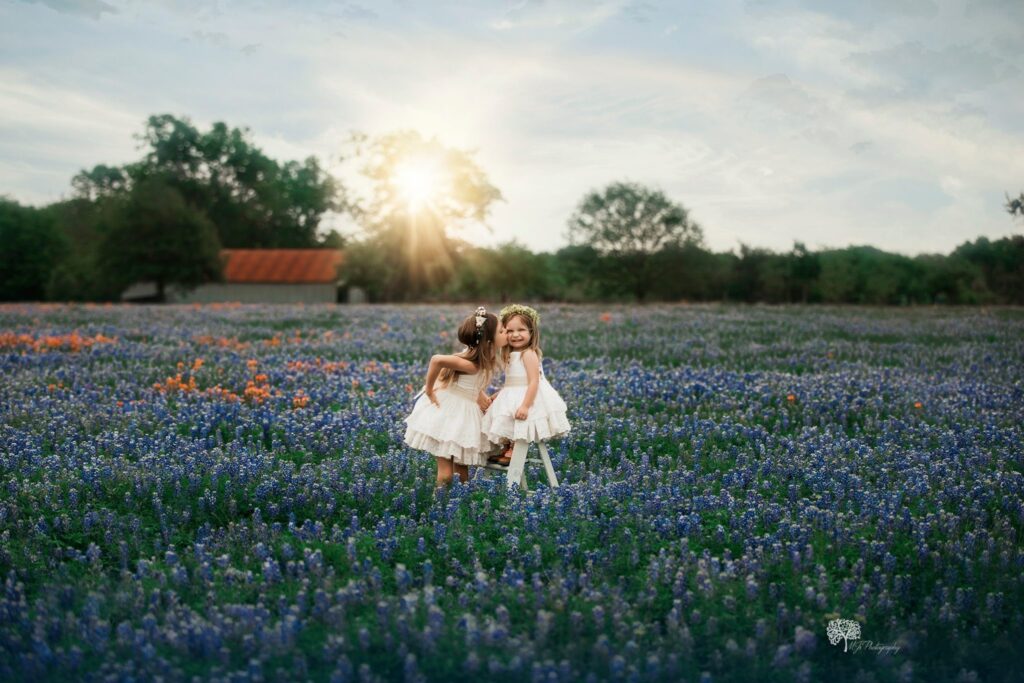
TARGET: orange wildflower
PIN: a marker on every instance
(791, 398)
(918, 405)
(606, 317)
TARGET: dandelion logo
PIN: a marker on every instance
(843, 629)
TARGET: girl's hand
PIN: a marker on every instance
(522, 412)
(484, 401)
(432, 397)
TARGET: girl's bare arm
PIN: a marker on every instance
(439, 362)
(532, 364)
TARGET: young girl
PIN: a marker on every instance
(445, 421)
(527, 407)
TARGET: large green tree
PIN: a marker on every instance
(630, 223)
(251, 199)
(421, 194)
(159, 237)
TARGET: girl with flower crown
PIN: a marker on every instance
(446, 419)
(527, 407)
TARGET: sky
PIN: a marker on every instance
(893, 123)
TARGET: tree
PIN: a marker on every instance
(579, 273)
(839, 278)
(30, 246)
(253, 200)
(506, 273)
(1002, 265)
(804, 269)
(158, 237)
(688, 272)
(1015, 206)
(951, 280)
(757, 275)
(420, 190)
(629, 223)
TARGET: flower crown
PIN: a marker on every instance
(519, 309)
(480, 317)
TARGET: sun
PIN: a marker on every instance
(418, 181)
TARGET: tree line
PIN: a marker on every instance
(165, 218)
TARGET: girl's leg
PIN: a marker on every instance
(463, 472)
(444, 471)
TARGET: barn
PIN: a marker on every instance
(277, 276)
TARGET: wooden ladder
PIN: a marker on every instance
(515, 472)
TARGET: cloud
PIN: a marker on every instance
(907, 8)
(48, 133)
(913, 70)
(761, 125)
(861, 146)
(559, 14)
(358, 12)
(777, 93)
(639, 11)
(93, 9)
(212, 37)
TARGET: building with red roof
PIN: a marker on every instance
(263, 276)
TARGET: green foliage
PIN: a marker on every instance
(1015, 207)
(628, 218)
(158, 237)
(30, 245)
(865, 275)
(1001, 263)
(82, 224)
(804, 269)
(413, 254)
(631, 223)
(578, 272)
(253, 201)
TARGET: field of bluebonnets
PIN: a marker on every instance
(222, 492)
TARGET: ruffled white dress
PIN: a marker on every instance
(451, 429)
(546, 419)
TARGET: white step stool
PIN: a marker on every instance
(516, 470)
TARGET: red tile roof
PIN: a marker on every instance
(291, 266)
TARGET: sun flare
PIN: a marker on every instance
(418, 181)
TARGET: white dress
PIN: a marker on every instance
(546, 419)
(452, 428)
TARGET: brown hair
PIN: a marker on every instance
(534, 335)
(479, 347)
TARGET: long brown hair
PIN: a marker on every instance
(534, 329)
(479, 349)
